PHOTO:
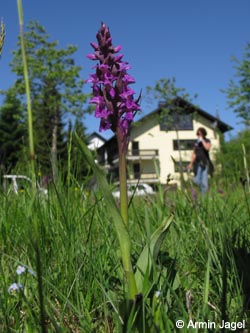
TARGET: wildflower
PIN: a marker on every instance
(116, 108)
(31, 272)
(14, 287)
(20, 270)
(157, 293)
(114, 99)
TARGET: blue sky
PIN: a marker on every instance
(192, 41)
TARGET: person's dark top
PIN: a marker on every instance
(202, 155)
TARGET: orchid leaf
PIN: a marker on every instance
(150, 253)
(120, 226)
(104, 187)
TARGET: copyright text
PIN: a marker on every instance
(232, 326)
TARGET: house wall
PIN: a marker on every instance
(95, 143)
(149, 136)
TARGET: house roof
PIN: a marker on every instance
(223, 127)
(96, 135)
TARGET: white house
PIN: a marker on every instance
(160, 148)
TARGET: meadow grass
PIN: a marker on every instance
(202, 271)
(61, 257)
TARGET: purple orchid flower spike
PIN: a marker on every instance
(112, 95)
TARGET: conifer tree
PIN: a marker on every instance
(56, 90)
(12, 131)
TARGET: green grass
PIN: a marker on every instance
(74, 279)
(202, 270)
(72, 246)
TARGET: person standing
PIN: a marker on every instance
(200, 161)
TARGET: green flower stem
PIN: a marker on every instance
(120, 227)
(123, 187)
(27, 89)
(130, 276)
(126, 247)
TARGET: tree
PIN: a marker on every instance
(56, 90)
(231, 157)
(173, 110)
(12, 131)
(238, 91)
(49, 137)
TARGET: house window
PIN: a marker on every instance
(184, 144)
(178, 166)
(135, 148)
(176, 121)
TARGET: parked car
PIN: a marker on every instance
(140, 189)
(19, 183)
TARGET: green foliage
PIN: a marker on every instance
(12, 131)
(49, 64)
(238, 91)
(165, 92)
(49, 129)
(150, 253)
(55, 90)
(207, 247)
(119, 224)
(79, 167)
(230, 157)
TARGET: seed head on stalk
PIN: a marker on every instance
(2, 36)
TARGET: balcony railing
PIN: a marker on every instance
(142, 177)
(132, 155)
(142, 154)
(146, 176)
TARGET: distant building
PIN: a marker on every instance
(95, 141)
(153, 153)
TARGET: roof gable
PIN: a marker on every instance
(94, 135)
(189, 108)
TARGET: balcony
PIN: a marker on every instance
(142, 154)
(132, 155)
(146, 177)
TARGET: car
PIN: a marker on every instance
(20, 183)
(140, 189)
